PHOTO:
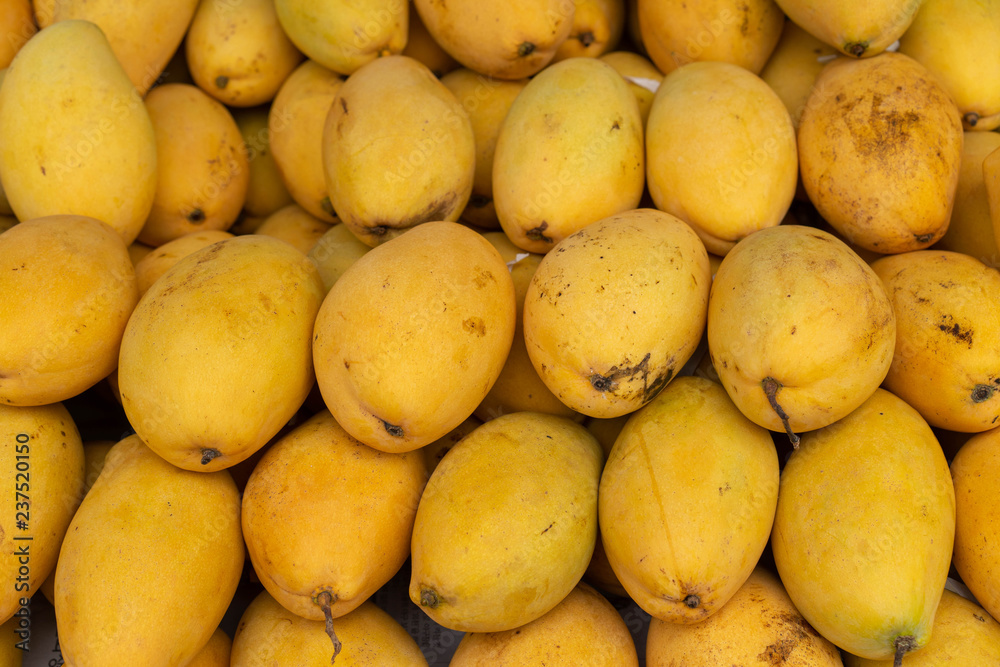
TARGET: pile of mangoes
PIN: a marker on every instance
(540, 304)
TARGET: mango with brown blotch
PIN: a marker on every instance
(859, 31)
(159, 260)
(398, 150)
(401, 375)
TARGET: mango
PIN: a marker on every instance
(44, 472)
(597, 29)
(583, 629)
(774, 301)
(570, 152)
(67, 290)
(203, 170)
(498, 540)
(641, 75)
(377, 189)
(420, 46)
(947, 308)
(226, 330)
(435, 451)
(974, 471)
(880, 142)
(295, 226)
(402, 375)
(859, 31)
(123, 594)
(17, 24)
(720, 152)
(97, 153)
(266, 190)
(970, 229)
(322, 550)
(215, 653)
(635, 288)
(687, 476)
(159, 260)
(864, 529)
(794, 66)
(336, 250)
(991, 180)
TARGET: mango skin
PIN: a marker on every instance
(266, 190)
(974, 471)
(970, 230)
(97, 155)
(44, 462)
(67, 291)
(859, 31)
(336, 250)
(18, 26)
(630, 64)
(377, 189)
(497, 541)
(226, 327)
(597, 29)
(793, 67)
(688, 473)
(867, 504)
(215, 653)
(305, 537)
(150, 562)
(570, 152)
(159, 260)
(401, 375)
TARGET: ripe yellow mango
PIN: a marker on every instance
(880, 142)
(774, 301)
(512, 40)
(295, 226)
(864, 529)
(159, 260)
(420, 45)
(641, 75)
(222, 334)
(499, 540)
(76, 135)
(570, 152)
(676, 32)
(269, 634)
(295, 119)
(758, 626)
(266, 191)
(342, 35)
(597, 29)
(150, 562)
(203, 169)
(635, 288)
(336, 250)
(143, 52)
(306, 538)
(720, 152)
(947, 308)
(583, 629)
(237, 52)
(977, 516)
(402, 374)
(17, 24)
(688, 476)
(991, 180)
(67, 290)
(398, 150)
(44, 472)
(794, 66)
(970, 230)
(855, 30)
(216, 653)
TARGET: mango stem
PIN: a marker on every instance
(324, 600)
(771, 387)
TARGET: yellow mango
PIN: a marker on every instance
(97, 153)
(203, 169)
(17, 25)
(336, 250)
(597, 29)
(344, 35)
(601, 575)
(977, 517)
(159, 260)
(150, 562)
(420, 45)
(635, 286)
(720, 152)
(774, 301)
(216, 653)
(295, 119)
(43, 463)
(676, 33)
(498, 540)
(266, 191)
(402, 375)
(268, 634)
(959, 42)
(641, 75)
(864, 529)
(143, 52)
(511, 40)
(758, 626)
(857, 30)
(398, 150)
(570, 152)
(237, 52)
(435, 451)
(67, 290)
(963, 634)
(583, 629)
(688, 475)
(295, 226)
(991, 180)
(947, 308)
(43, 11)
(224, 332)
(486, 101)
(794, 66)
(880, 144)
(322, 551)
(970, 229)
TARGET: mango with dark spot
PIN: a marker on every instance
(857, 30)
